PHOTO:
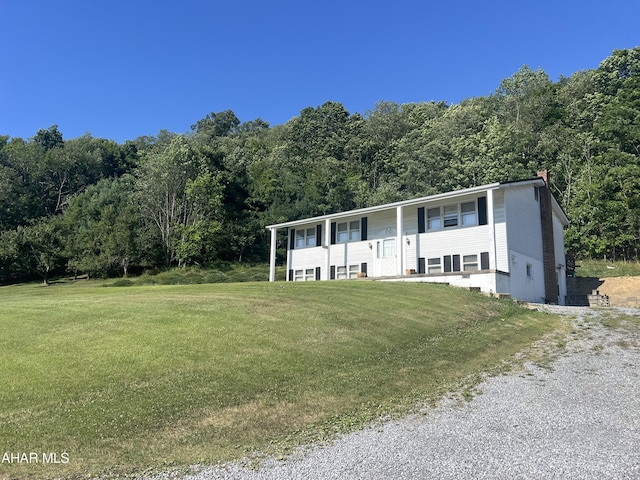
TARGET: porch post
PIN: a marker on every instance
(399, 246)
(272, 255)
(327, 249)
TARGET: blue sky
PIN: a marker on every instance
(120, 69)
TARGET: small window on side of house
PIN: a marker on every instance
(529, 270)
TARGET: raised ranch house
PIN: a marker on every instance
(501, 238)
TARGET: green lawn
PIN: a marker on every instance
(604, 268)
(142, 378)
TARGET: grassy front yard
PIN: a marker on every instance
(143, 378)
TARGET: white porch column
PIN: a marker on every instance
(272, 255)
(493, 261)
(399, 245)
(327, 250)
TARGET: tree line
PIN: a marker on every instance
(93, 206)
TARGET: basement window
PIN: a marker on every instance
(304, 275)
(469, 263)
(434, 265)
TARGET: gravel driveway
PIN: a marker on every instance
(578, 418)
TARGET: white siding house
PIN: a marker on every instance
(502, 238)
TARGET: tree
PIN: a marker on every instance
(178, 197)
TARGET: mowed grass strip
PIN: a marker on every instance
(125, 380)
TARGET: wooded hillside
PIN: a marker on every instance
(91, 205)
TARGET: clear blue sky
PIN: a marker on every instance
(119, 69)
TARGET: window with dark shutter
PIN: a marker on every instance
(319, 235)
(292, 239)
(363, 228)
(317, 273)
(291, 275)
(332, 275)
(333, 233)
(456, 263)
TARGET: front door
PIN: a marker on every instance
(386, 257)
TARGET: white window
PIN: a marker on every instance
(529, 270)
(450, 215)
(348, 232)
(353, 271)
(469, 263)
(469, 214)
(354, 231)
(311, 237)
(434, 265)
(457, 214)
(389, 248)
(350, 271)
(304, 275)
(342, 233)
(306, 237)
(434, 222)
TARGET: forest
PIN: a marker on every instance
(95, 207)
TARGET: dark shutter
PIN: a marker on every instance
(317, 273)
(319, 235)
(363, 228)
(484, 261)
(291, 275)
(422, 265)
(292, 239)
(333, 233)
(447, 263)
(332, 275)
(456, 263)
(421, 221)
(363, 268)
(482, 210)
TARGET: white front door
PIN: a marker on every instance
(386, 257)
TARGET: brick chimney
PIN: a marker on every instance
(548, 245)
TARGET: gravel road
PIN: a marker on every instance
(577, 418)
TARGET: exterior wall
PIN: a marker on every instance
(526, 277)
(523, 221)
